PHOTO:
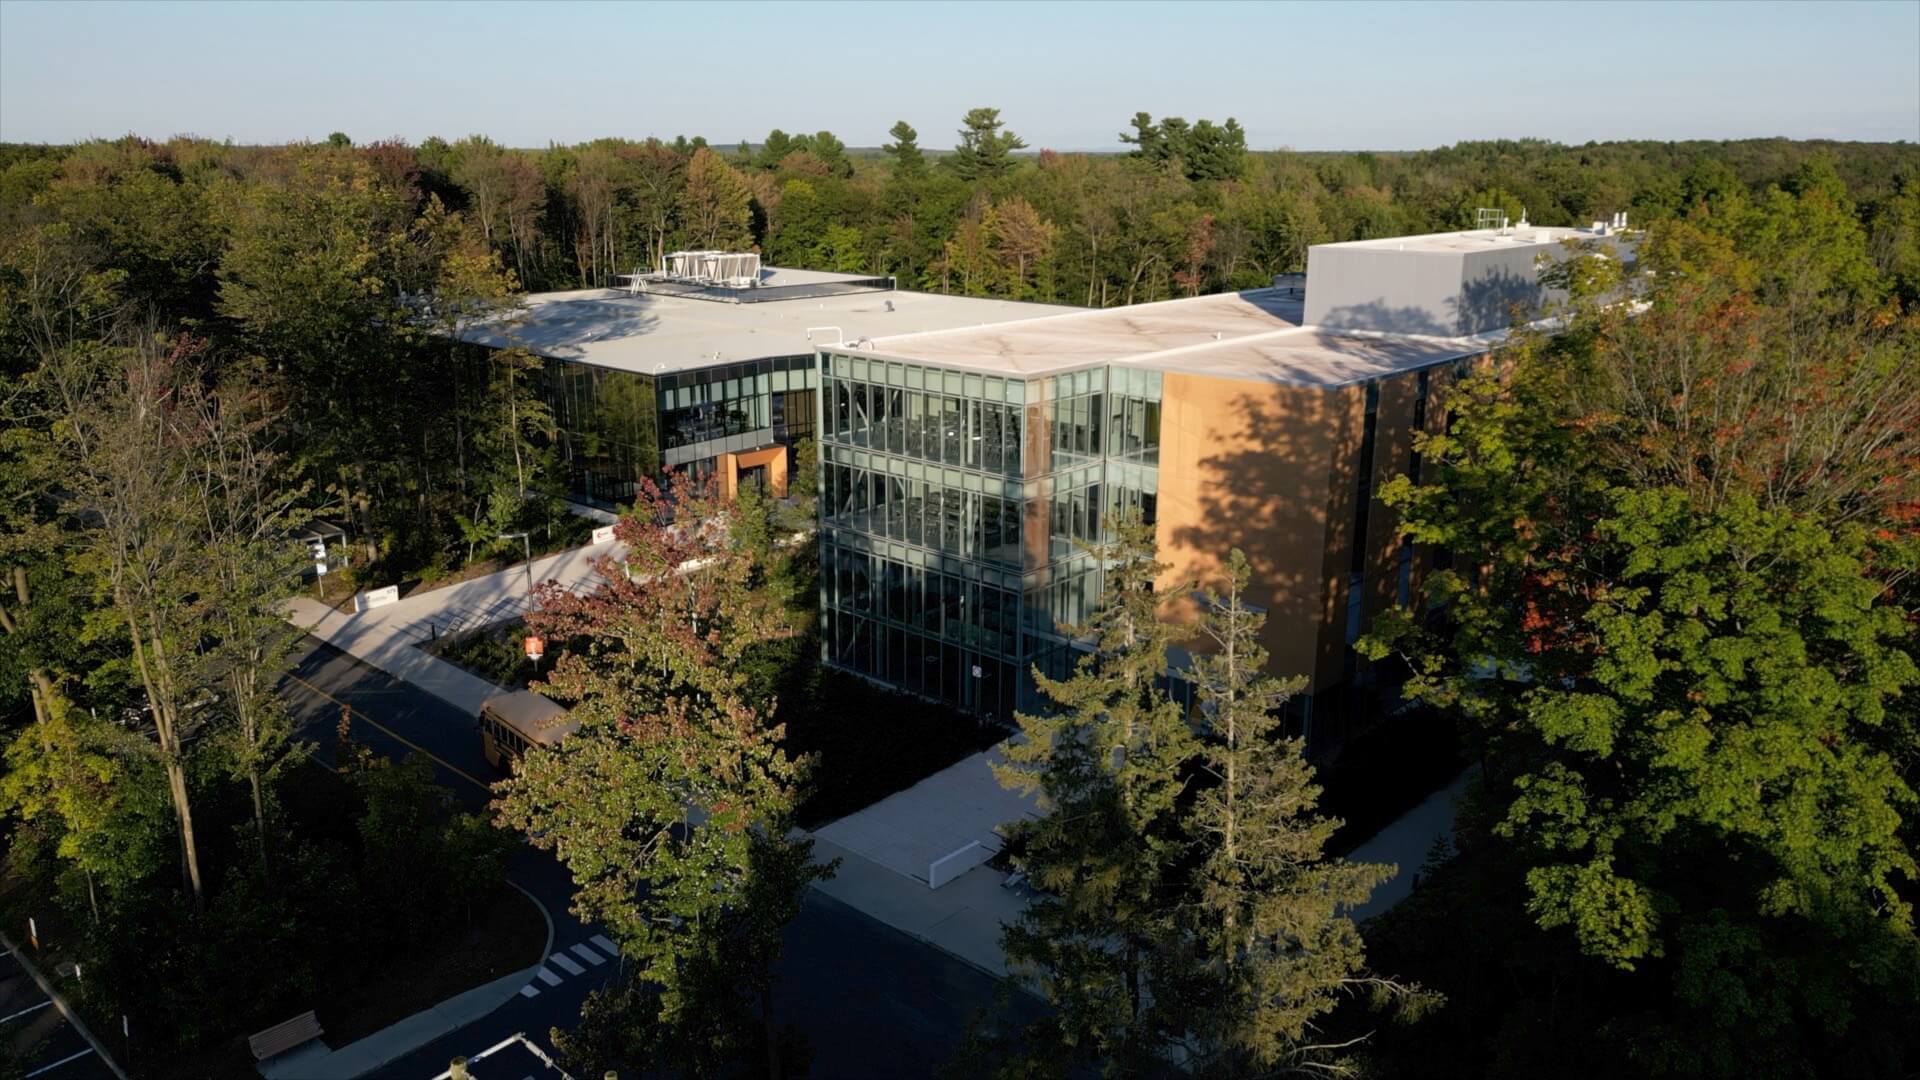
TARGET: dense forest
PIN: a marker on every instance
(1690, 850)
(1189, 209)
(333, 265)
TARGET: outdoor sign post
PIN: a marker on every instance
(320, 568)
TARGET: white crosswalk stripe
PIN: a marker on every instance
(566, 964)
(529, 990)
(589, 955)
(549, 977)
(606, 946)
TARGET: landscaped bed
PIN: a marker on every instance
(506, 934)
(1388, 771)
(495, 653)
(562, 533)
(867, 741)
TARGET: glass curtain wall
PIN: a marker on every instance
(606, 428)
(956, 512)
(614, 427)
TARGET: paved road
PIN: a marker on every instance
(872, 1001)
(35, 1038)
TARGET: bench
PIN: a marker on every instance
(284, 1036)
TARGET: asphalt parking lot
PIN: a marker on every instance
(35, 1038)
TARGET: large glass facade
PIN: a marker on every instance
(614, 427)
(958, 514)
(606, 429)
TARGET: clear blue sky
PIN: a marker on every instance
(1067, 76)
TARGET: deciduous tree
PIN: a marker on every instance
(715, 202)
(672, 804)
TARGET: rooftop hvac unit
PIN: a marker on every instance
(734, 269)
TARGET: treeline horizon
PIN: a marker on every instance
(878, 149)
(1186, 208)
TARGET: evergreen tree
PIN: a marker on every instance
(1107, 761)
(777, 146)
(908, 162)
(831, 152)
(1146, 140)
(1267, 918)
(985, 152)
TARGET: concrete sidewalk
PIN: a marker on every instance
(889, 848)
(1405, 843)
(388, 637)
(963, 918)
(316, 1061)
(938, 818)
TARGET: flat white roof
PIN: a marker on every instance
(659, 334)
(1079, 338)
(1255, 335)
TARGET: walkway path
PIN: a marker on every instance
(889, 853)
(388, 637)
(1406, 842)
(887, 849)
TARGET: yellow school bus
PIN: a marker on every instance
(510, 723)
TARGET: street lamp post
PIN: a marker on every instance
(527, 546)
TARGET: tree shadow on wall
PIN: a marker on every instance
(1280, 487)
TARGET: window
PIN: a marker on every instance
(913, 422)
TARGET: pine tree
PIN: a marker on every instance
(908, 162)
(1267, 916)
(985, 152)
(1107, 762)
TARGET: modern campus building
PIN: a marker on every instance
(964, 470)
(706, 365)
(970, 449)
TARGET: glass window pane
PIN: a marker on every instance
(951, 430)
(914, 422)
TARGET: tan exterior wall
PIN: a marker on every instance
(1272, 470)
(1336, 566)
(1253, 465)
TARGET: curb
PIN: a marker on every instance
(544, 913)
(66, 1010)
(364, 1056)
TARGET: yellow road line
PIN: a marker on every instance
(444, 763)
